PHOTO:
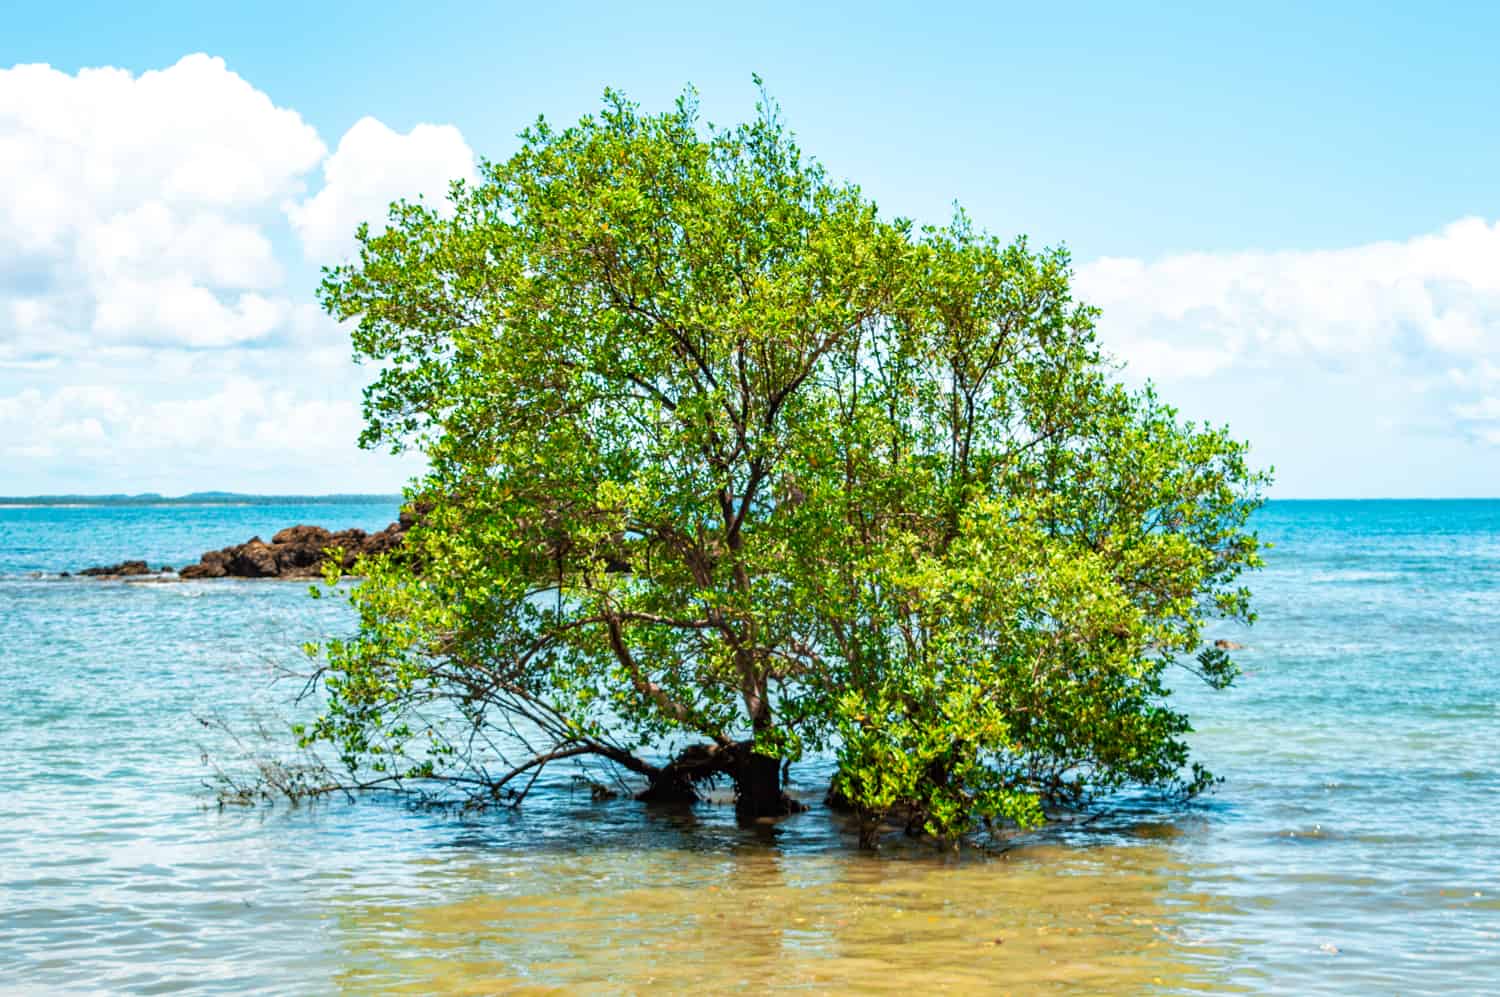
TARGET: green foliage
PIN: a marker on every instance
(718, 452)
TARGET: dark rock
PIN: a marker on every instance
(254, 559)
(303, 555)
(301, 551)
(125, 569)
(386, 540)
(214, 564)
(302, 535)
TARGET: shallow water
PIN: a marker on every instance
(1354, 847)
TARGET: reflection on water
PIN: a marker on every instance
(1354, 849)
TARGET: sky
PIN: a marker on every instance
(1291, 219)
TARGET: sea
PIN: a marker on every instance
(1353, 846)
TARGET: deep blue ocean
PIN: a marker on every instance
(1353, 848)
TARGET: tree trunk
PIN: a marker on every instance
(758, 791)
(757, 786)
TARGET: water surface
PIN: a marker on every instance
(1354, 847)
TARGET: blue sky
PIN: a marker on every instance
(1289, 217)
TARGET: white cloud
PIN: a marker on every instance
(372, 167)
(1421, 318)
(241, 415)
(192, 134)
(1479, 375)
(1194, 315)
(206, 247)
(1485, 409)
(1169, 361)
(172, 310)
(147, 321)
(131, 207)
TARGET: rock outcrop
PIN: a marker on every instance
(296, 552)
(125, 569)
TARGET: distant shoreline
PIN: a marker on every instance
(193, 499)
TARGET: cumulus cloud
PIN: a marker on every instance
(172, 310)
(1197, 314)
(205, 247)
(193, 134)
(372, 167)
(131, 206)
(1421, 316)
(146, 306)
(116, 423)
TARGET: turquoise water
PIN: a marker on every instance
(1353, 848)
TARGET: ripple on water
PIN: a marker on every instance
(1354, 848)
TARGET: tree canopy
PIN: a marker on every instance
(726, 468)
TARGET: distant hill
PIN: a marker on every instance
(195, 498)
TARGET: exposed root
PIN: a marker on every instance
(757, 779)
